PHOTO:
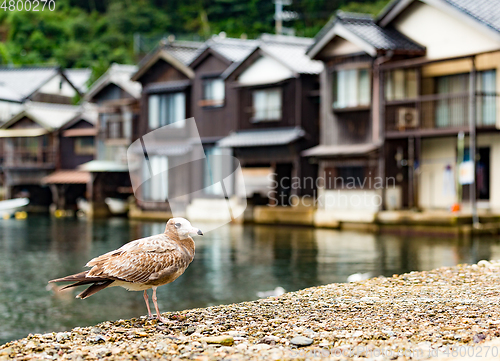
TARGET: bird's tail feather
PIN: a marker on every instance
(81, 279)
(96, 287)
(72, 278)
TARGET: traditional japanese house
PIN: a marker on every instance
(275, 118)
(40, 84)
(399, 93)
(117, 100)
(166, 80)
(41, 146)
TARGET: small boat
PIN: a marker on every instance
(117, 206)
(83, 205)
(10, 206)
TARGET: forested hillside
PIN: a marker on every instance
(94, 33)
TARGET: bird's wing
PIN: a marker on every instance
(139, 261)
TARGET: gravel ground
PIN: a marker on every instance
(445, 313)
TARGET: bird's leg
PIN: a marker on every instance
(150, 315)
(158, 315)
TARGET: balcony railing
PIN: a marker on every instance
(440, 112)
(23, 158)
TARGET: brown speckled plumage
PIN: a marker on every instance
(141, 264)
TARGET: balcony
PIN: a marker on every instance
(438, 114)
(29, 158)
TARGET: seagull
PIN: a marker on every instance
(141, 264)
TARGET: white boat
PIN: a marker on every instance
(10, 206)
(116, 205)
(83, 205)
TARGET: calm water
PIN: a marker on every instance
(232, 264)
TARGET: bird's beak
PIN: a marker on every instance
(195, 232)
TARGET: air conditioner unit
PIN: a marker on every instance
(407, 118)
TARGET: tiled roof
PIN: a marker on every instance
(103, 166)
(294, 57)
(259, 138)
(54, 116)
(185, 51)
(364, 27)
(16, 84)
(67, 177)
(338, 150)
(379, 38)
(485, 11)
(119, 75)
(79, 78)
(232, 49)
(23, 81)
(288, 50)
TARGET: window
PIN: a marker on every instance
(114, 129)
(351, 88)
(486, 85)
(213, 92)
(155, 186)
(452, 111)
(266, 105)
(401, 84)
(165, 109)
(213, 171)
(84, 145)
(345, 177)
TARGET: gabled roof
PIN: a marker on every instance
(23, 81)
(362, 30)
(290, 51)
(179, 54)
(118, 75)
(18, 84)
(232, 49)
(485, 13)
(49, 116)
(79, 78)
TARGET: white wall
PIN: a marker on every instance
(437, 153)
(443, 34)
(340, 46)
(8, 110)
(53, 87)
(264, 70)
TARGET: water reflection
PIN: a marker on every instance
(232, 264)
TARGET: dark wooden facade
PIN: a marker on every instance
(70, 153)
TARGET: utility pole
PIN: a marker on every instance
(280, 16)
(472, 140)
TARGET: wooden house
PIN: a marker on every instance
(41, 147)
(210, 83)
(39, 84)
(117, 100)
(399, 95)
(275, 118)
(166, 80)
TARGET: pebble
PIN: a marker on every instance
(430, 310)
(301, 341)
(220, 340)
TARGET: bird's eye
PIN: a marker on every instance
(177, 225)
